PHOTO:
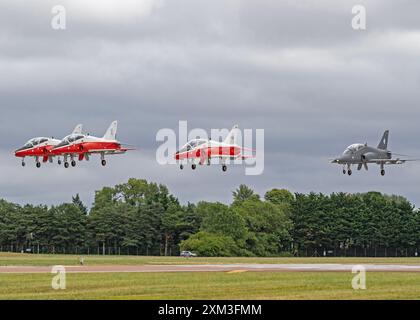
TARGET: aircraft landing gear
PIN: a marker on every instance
(193, 166)
(382, 169)
(349, 172)
(344, 171)
(23, 163)
(38, 164)
(181, 167)
(66, 164)
(224, 168)
(103, 162)
(73, 163)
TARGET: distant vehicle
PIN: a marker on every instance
(188, 254)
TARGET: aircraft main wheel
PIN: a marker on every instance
(181, 167)
(59, 162)
(224, 168)
(73, 163)
(103, 163)
(66, 164)
(344, 171)
(38, 164)
(349, 172)
(382, 172)
(193, 166)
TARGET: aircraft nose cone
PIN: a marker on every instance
(18, 152)
(337, 160)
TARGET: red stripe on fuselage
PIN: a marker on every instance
(35, 152)
(209, 152)
(87, 147)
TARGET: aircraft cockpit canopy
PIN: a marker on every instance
(192, 144)
(70, 139)
(353, 148)
(34, 142)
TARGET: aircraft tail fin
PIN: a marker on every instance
(111, 133)
(383, 144)
(78, 129)
(232, 137)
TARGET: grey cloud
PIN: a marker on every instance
(295, 69)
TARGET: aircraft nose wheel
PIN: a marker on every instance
(193, 166)
(23, 164)
(181, 167)
(66, 164)
(38, 164)
(103, 162)
(349, 172)
(224, 168)
(73, 163)
(382, 172)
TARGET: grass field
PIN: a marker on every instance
(205, 285)
(17, 259)
(249, 285)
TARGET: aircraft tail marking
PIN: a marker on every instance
(78, 129)
(232, 137)
(383, 144)
(111, 133)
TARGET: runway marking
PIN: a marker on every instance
(228, 268)
(237, 271)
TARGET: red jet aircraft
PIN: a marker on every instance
(82, 146)
(204, 150)
(41, 148)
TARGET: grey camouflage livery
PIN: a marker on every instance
(362, 154)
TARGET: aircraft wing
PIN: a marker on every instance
(243, 157)
(391, 161)
(107, 151)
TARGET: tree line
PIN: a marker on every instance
(138, 217)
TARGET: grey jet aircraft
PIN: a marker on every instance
(361, 155)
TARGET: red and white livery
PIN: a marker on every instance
(203, 151)
(82, 146)
(40, 148)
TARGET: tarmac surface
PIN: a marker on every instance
(213, 268)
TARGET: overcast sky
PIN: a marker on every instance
(294, 68)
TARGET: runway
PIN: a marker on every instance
(212, 268)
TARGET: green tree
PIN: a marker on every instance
(244, 193)
(78, 202)
(210, 245)
(279, 196)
